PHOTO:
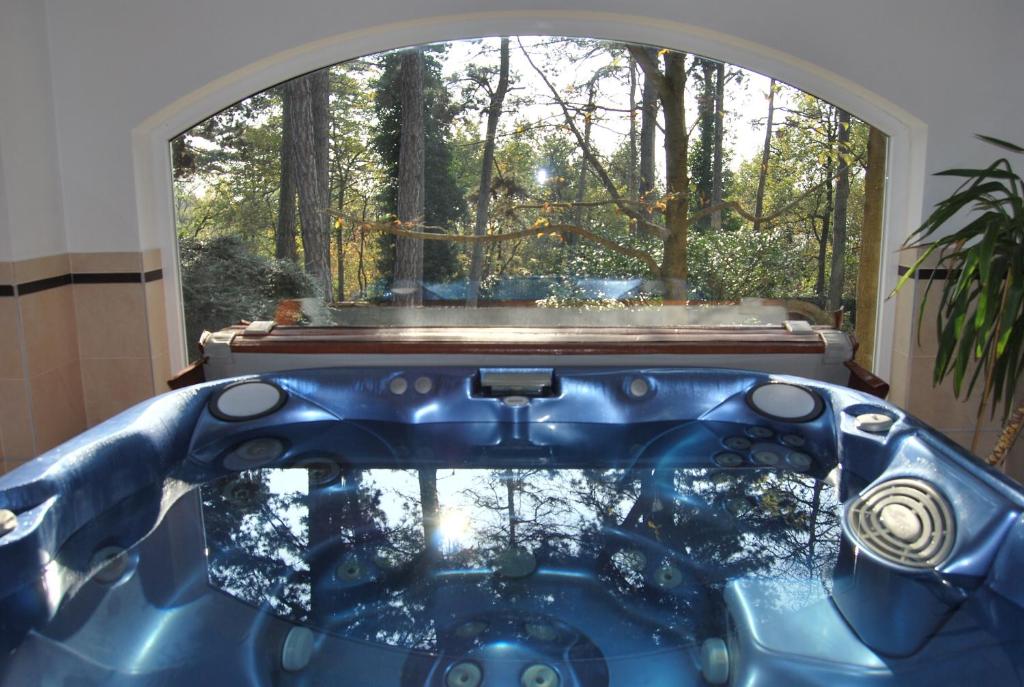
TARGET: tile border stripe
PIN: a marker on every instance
(928, 273)
(9, 290)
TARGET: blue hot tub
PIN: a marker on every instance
(524, 527)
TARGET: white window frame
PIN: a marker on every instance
(904, 191)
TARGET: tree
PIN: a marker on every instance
(308, 96)
(497, 99)
(408, 284)
(444, 199)
(717, 179)
(837, 277)
(765, 154)
(671, 85)
(648, 131)
(284, 236)
(703, 153)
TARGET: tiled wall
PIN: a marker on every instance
(82, 337)
(913, 360)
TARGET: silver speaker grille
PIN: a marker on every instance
(904, 521)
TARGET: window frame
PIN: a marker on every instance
(905, 160)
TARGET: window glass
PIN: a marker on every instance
(525, 181)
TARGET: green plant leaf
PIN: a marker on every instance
(1001, 143)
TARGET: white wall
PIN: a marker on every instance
(31, 216)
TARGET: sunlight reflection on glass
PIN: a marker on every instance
(455, 529)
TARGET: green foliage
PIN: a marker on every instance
(224, 280)
(980, 319)
(729, 265)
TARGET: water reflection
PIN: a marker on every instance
(419, 558)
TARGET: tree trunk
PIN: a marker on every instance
(838, 275)
(716, 181)
(671, 86)
(581, 173)
(1007, 438)
(870, 248)
(826, 226)
(762, 176)
(704, 171)
(510, 489)
(826, 220)
(483, 200)
(648, 128)
(310, 98)
(339, 235)
(284, 236)
(408, 277)
(430, 512)
(633, 177)
(677, 177)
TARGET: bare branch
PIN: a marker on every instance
(585, 148)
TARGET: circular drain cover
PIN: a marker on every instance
(322, 471)
(728, 459)
(350, 569)
(254, 453)
(539, 675)
(905, 521)
(737, 443)
(668, 577)
(515, 562)
(464, 674)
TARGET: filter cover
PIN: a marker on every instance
(905, 521)
(787, 402)
(247, 401)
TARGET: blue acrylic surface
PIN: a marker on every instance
(600, 533)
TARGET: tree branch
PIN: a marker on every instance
(585, 148)
(400, 229)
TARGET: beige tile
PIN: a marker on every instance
(91, 263)
(161, 372)
(6, 272)
(903, 341)
(937, 406)
(927, 343)
(11, 366)
(48, 328)
(151, 259)
(156, 317)
(986, 440)
(111, 320)
(41, 268)
(16, 420)
(113, 384)
(899, 379)
(908, 310)
(58, 408)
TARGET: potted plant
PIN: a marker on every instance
(980, 322)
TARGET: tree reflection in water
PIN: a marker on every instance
(401, 556)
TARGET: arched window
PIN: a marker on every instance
(535, 181)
